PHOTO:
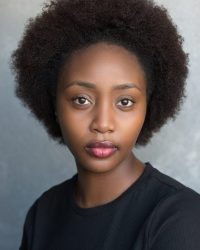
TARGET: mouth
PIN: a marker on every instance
(101, 149)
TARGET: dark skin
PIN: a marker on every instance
(100, 112)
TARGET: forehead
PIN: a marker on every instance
(105, 64)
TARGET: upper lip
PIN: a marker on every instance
(101, 144)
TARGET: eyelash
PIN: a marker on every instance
(123, 98)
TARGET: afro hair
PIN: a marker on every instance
(63, 26)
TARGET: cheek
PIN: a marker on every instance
(72, 127)
(132, 124)
(132, 130)
(136, 117)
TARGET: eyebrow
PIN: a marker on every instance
(93, 86)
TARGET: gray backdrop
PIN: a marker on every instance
(30, 162)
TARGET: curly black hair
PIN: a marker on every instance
(64, 26)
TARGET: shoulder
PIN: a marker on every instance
(45, 207)
(63, 188)
(176, 216)
(175, 222)
(181, 202)
(51, 199)
(173, 195)
(160, 179)
(166, 188)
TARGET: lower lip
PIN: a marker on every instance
(101, 152)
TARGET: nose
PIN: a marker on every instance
(103, 121)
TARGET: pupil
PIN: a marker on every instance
(125, 101)
(82, 100)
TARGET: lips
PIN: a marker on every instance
(101, 144)
(101, 149)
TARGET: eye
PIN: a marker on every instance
(126, 102)
(80, 100)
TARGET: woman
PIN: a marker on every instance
(102, 77)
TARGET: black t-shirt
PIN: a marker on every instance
(155, 213)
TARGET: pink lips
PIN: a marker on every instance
(101, 149)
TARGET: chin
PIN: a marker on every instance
(97, 165)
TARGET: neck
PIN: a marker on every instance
(94, 189)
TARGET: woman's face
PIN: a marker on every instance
(101, 96)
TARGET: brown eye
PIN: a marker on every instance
(81, 100)
(126, 102)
